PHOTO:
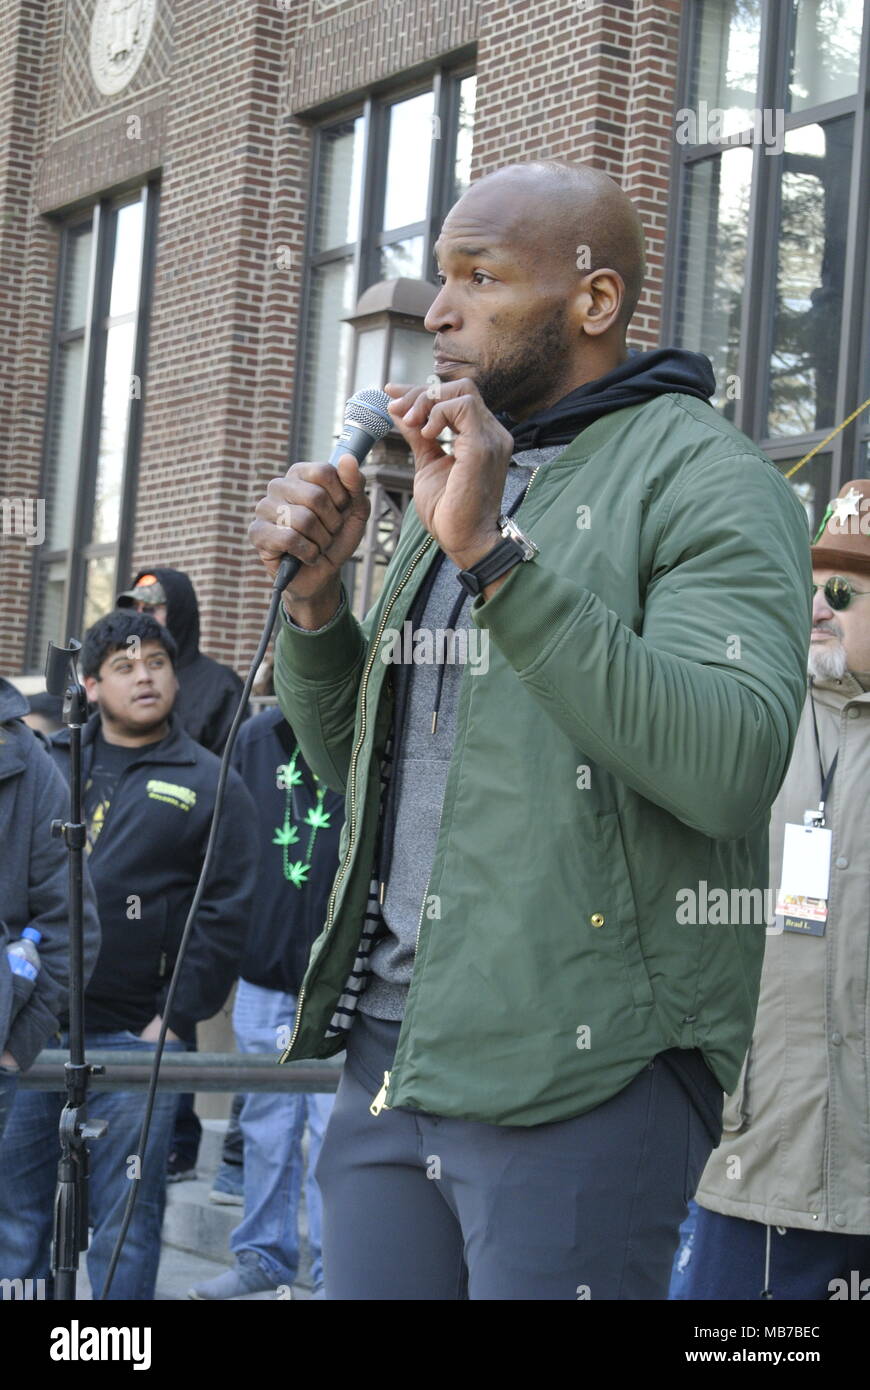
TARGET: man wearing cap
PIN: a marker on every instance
(209, 692)
(784, 1202)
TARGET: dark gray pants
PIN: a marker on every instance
(421, 1207)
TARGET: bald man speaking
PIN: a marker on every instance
(572, 705)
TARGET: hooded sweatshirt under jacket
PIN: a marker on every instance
(625, 742)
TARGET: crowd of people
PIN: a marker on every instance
(547, 1056)
(161, 714)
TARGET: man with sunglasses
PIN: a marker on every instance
(784, 1202)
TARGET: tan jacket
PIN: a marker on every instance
(796, 1144)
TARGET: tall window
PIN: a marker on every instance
(93, 416)
(769, 244)
(384, 177)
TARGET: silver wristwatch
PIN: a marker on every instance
(512, 532)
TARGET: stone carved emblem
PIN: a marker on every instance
(120, 32)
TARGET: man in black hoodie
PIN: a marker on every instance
(149, 793)
(209, 692)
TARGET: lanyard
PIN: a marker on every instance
(826, 778)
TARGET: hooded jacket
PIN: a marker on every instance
(796, 1129)
(209, 691)
(285, 919)
(645, 681)
(34, 882)
(145, 865)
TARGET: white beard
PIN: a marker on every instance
(827, 663)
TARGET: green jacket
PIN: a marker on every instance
(645, 683)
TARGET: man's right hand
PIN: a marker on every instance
(317, 513)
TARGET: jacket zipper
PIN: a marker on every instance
(380, 1101)
(353, 764)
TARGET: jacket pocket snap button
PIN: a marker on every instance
(597, 919)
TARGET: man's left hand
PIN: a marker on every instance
(457, 498)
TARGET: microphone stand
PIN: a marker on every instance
(71, 1195)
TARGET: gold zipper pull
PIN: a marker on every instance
(380, 1101)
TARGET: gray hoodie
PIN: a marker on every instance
(33, 881)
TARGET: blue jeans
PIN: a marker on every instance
(29, 1154)
(738, 1260)
(8, 1088)
(272, 1124)
(679, 1273)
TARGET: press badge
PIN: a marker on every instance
(802, 901)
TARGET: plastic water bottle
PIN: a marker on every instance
(23, 960)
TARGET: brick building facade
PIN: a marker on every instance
(214, 131)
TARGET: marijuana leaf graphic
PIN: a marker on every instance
(297, 873)
(317, 817)
(288, 776)
(285, 835)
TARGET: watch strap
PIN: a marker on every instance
(494, 564)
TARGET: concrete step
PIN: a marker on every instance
(195, 1224)
(209, 1160)
(198, 1228)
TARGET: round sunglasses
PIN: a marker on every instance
(839, 592)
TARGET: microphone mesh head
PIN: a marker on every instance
(369, 409)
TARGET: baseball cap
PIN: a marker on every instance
(148, 590)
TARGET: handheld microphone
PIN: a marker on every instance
(366, 420)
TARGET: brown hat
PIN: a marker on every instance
(149, 590)
(843, 539)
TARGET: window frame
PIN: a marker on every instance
(444, 81)
(101, 217)
(756, 327)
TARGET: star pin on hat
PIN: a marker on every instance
(843, 539)
(148, 590)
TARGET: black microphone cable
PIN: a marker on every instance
(365, 421)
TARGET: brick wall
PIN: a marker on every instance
(28, 251)
(225, 103)
(592, 83)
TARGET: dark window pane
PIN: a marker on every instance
(64, 444)
(826, 51)
(464, 137)
(341, 150)
(812, 484)
(409, 156)
(402, 258)
(127, 267)
(74, 292)
(113, 431)
(712, 265)
(809, 290)
(724, 64)
(329, 344)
